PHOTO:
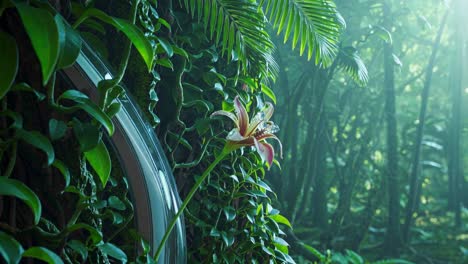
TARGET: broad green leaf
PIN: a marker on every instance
(135, 35)
(230, 213)
(167, 47)
(8, 63)
(314, 252)
(39, 141)
(100, 161)
(228, 238)
(383, 34)
(63, 169)
(354, 257)
(70, 43)
(12, 187)
(165, 62)
(87, 134)
(43, 254)
(180, 51)
(91, 108)
(94, 234)
(113, 109)
(268, 92)
(79, 247)
(116, 203)
(43, 33)
(57, 129)
(10, 249)
(113, 251)
(280, 219)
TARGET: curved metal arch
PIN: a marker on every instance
(146, 168)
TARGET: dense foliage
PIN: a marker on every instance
(355, 161)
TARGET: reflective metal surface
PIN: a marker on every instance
(152, 184)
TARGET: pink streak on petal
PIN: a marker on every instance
(265, 150)
(242, 116)
(225, 113)
(267, 135)
(269, 152)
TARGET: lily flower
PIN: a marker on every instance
(252, 132)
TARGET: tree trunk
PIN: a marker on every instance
(455, 128)
(392, 237)
(415, 183)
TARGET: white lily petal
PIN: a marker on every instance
(226, 113)
(235, 135)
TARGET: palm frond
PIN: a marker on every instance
(351, 63)
(239, 27)
(314, 24)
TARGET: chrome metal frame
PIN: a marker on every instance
(152, 184)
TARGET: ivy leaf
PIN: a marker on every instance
(70, 43)
(228, 238)
(43, 33)
(43, 254)
(230, 213)
(113, 251)
(10, 249)
(57, 129)
(280, 219)
(132, 32)
(39, 141)
(12, 187)
(8, 63)
(100, 161)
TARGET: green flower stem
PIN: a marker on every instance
(228, 148)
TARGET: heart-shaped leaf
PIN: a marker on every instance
(57, 129)
(87, 134)
(43, 33)
(113, 251)
(100, 161)
(70, 43)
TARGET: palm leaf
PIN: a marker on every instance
(314, 24)
(351, 63)
(239, 27)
